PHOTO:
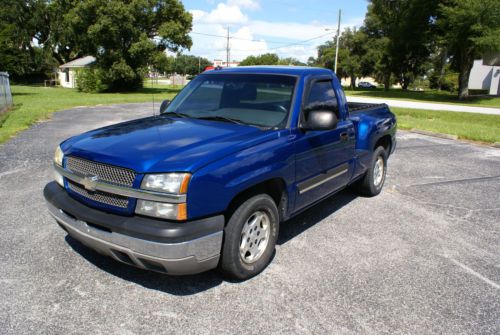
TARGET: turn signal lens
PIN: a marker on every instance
(161, 210)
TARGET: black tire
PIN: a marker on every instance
(366, 185)
(232, 263)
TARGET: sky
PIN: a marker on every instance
(289, 28)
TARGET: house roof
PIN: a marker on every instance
(79, 62)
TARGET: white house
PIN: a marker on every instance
(485, 75)
(67, 72)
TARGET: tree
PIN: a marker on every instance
(352, 59)
(290, 61)
(188, 64)
(405, 30)
(470, 28)
(264, 59)
(126, 37)
(21, 23)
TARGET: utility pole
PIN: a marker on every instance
(227, 48)
(338, 39)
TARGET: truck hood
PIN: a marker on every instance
(162, 144)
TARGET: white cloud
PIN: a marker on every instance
(222, 14)
(247, 4)
(248, 35)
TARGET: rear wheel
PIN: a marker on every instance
(250, 238)
(373, 181)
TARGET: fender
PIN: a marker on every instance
(213, 187)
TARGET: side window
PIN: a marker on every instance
(321, 93)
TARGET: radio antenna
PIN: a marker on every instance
(153, 93)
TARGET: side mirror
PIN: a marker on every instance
(320, 120)
(164, 105)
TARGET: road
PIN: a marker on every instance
(422, 257)
(426, 105)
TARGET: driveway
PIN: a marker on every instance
(422, 257)
(425, 105)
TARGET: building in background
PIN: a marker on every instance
(485, 74)
(223, 63)
(67, 72)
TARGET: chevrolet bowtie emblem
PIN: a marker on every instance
(90, 183)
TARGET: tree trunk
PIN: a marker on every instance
(444, 56)
(353, 82)
(463, 78)
(387, 82)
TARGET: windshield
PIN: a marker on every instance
(254, 99)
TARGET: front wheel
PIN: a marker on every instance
(250, 238)
(373, 181)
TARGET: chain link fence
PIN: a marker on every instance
(5, 94)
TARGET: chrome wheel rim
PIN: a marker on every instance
(378, 171)
(255, 237)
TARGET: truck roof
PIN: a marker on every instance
(273, 69)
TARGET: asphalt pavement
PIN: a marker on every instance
(423, 257)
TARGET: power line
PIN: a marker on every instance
(240, 38)
(289, 44)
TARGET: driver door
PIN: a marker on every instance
(324, 158)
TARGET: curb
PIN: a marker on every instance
(431, 133)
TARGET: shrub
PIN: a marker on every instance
(89, 80)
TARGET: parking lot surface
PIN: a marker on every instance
(422, 257)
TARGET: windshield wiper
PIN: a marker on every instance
(181, 115)
(220, 118)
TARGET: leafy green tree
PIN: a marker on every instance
(290, 61)
(188, 64)
(405, 29)
(264, 59)
(127, 37)
(470, 27)
(353, 61)
(311, 61)
(21, 28)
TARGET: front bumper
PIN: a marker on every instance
(167, 247)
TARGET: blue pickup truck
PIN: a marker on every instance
(207, 182)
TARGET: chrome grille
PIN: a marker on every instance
(107, 173)
(102, 197)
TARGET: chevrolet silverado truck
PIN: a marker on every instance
(207, 182)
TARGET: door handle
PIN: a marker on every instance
(344, 137)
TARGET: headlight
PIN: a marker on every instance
(168, 182)
(161, 210)
(58, 159)
(58, 156)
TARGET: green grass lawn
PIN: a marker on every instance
(35, 103)
(432, 96)
(469, 126)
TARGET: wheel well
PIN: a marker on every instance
(275, 188)
(386, 142)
